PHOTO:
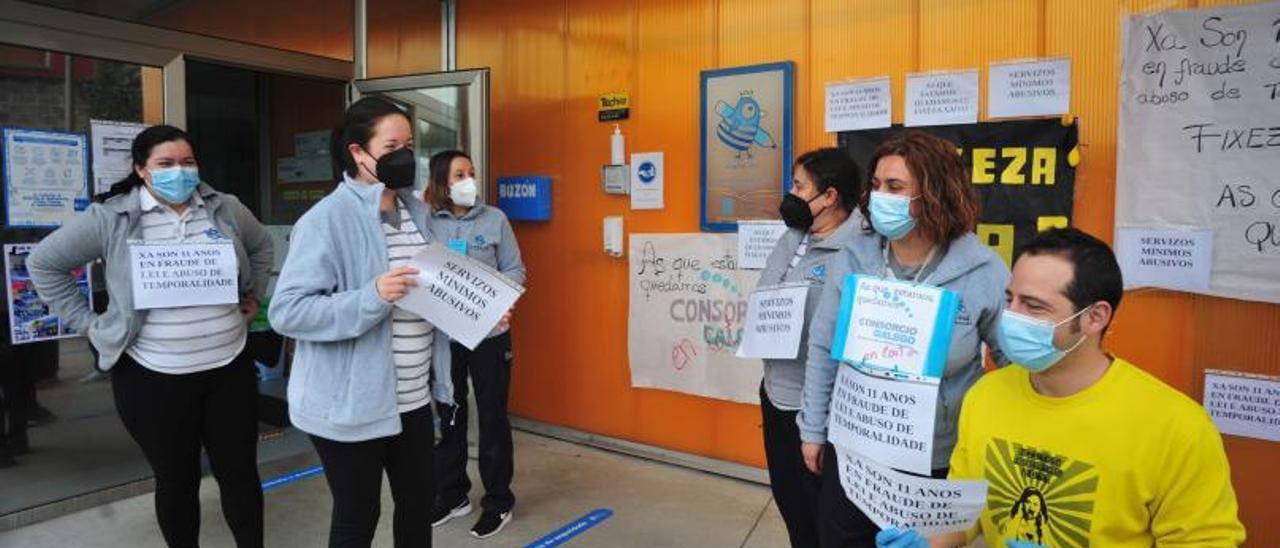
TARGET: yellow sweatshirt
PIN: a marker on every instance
(1128, 461)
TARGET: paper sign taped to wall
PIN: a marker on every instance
(942, 98)
(756, 240)
(1243, 405)
(112, 151)
(893, 499)
(461, 296)
(45, 176)
(1030, 88)
(687, 309)
(859, 105)
(1170, 259)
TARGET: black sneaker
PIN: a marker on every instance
(490, 523)
(6, 459)
(442, 514)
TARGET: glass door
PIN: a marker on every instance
(450, 111)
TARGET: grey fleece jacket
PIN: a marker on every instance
(103, 232)
(978, 277)
(784, 379)
(343, 385)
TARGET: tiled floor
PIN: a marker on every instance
(653, 504)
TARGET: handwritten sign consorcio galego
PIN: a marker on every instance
(463, 297)
(686, 315)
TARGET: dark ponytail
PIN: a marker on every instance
(357, 128)
(140, 153)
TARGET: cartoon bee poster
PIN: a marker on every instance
(746, 143)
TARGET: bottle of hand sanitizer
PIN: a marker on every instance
(616, 147)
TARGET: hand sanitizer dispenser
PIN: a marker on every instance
(615, 176)
(613, 237)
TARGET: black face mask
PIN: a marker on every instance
(396, 169)
(795, 211)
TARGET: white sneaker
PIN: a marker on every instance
(442, 514)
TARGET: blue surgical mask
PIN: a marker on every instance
(1028, 341)
(891, 215)
(175, 184)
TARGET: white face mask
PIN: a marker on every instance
(463, 193)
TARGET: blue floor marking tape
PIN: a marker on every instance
(292, 477)
(564, 534)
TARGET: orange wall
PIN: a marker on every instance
(550, 61)
(404, 35)
(317, 27)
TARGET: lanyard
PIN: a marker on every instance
(798, 255)
(888, 274)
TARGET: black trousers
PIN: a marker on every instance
(489, 366)
(18, 391)
(795, 489)
(354, 472)
(172, 417)
(841, 523)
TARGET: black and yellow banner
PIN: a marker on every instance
(1024, 171)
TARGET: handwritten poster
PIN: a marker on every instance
(688, 303)
(1243, 405)
(463, 297)
(1199, 137)
(894, 499)
(896, 328)
(942, 99)
(45, 177)
(30, 319)
(859, 105)
(1029, 88)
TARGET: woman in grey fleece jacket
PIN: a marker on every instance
(923, 210)
(821, 221)
(179, 375)
(360, 376)
(484, 234)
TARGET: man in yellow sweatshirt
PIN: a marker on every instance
(1081, 448)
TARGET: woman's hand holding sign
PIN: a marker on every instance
(395, 283)
(812, 457)
(505, 322)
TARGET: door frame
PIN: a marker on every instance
(41, 27)
(477, 82)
